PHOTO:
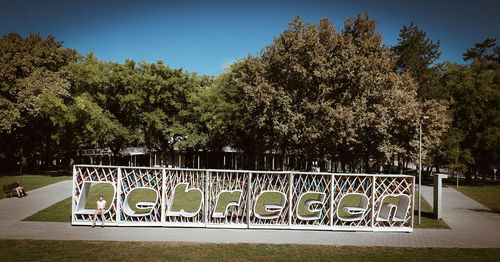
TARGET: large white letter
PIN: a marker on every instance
(355, 212)
(269, 204)
(306, 201)
(145, 206)
(226, 199)
(385, 210)
(178, 207)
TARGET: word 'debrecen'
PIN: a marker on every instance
(170, 197)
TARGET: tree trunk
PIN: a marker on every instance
(468, 177)
(284, 155)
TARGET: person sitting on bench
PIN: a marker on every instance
(19, 189)
(101, 208)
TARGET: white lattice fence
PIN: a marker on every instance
(349, 215)
(276, 187)
(83, 178)
(140, 180)
(228, 191)
(246, 199)
(311, 201)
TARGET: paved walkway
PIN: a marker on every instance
(19, 208)
(473, 226)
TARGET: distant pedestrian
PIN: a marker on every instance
(101, 208)
(19, 189)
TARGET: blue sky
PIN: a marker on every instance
(202, 36)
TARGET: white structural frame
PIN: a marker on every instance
(212, 182)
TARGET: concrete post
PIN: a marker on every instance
(438, 195)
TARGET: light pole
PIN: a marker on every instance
(420, 172)
(150, 149)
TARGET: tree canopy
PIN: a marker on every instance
(316, 93)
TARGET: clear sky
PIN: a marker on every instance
(202, 36)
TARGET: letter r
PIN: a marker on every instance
(226, 199)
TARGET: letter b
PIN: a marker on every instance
(185, 202)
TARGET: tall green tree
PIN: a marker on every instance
(167, 110)
(31, 69)
(283, 86)
(317, 91)
(476, 98)
(471, 145)
(224, 118)
(113, 88)
(415, 54)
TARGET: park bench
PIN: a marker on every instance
(8, 189)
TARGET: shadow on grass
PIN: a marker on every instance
(59, 172)
(424, 214)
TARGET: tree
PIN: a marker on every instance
(31, 69)
(415, 54)
(472, 144)
(113, 88)
(284, 87)
(166, 111)
(317, 91)
(224, 119)
(475, 90)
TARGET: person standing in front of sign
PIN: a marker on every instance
(101, 208)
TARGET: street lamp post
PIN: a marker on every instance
(420, 172)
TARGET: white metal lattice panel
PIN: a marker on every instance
(220, 185)
(398, 188)
(195, 179)
(83, 178)
(140, 179)
(307, 187)
(345, 185)
(262, 182)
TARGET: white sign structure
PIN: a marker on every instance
(247, 199)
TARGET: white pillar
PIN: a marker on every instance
(438, 195)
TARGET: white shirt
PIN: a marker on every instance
(101, 204)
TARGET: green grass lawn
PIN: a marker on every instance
(487, 195)
(30, 182)
(59, 212)
(104, 189)
(48, 250)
